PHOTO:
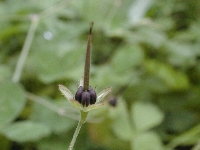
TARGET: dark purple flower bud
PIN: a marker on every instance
(85, 100)
(87, 97)
(93, 96)
(79, 93)
(113, 101)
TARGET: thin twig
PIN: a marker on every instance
(25, 48)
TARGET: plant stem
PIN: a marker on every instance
(80, 123)
(26, 48)
(87, 59)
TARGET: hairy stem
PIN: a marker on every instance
(78, 128)
(88, 59)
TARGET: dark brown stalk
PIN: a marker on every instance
(88, 59)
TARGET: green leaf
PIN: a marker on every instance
(181, 54)
(189, 137)
(92, 10)
(56, 65)
(172, 78)
(25, 131)
(147, 141)
(146, 116)
(126, 58)
(106, 77)
(57, 123)
(121, 123)
(5, 72)
(151, 36)
(176, 118)
(4, 143)
(12, 101)
(138, 10)
(54, 142)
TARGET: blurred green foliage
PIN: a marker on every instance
(147, 51)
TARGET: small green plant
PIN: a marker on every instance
(85, 98)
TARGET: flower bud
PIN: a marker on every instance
(113, 101)
(79, 93)
(85, 97)
(93, 96)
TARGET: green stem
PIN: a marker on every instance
(78, 128)
(29, 38)
(87, 60)
(25, 49)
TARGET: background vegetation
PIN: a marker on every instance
(146, 50)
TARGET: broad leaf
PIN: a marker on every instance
(172, 78)
(56, 122)
(146, 116)
(26, 131)
(147, 141)
(127, 58)
(12, 101)
(121, 123)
